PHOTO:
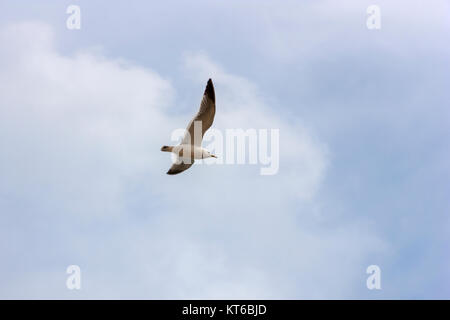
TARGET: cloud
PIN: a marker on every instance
(83, 182)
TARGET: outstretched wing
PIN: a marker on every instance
(205, 117)
(180, 167)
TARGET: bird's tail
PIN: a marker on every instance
(167, 148)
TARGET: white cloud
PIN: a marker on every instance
(83, 182)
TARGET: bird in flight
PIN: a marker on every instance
(190, 147)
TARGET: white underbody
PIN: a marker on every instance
(186, 151)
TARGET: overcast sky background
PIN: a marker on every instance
(364, 155)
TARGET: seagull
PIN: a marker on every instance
(190, 147)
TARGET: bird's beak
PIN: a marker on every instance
(214, 156)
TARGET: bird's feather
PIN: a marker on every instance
(204, 116)
(180, 167)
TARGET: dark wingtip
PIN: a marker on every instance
(209, 91)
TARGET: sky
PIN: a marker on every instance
(364, 167)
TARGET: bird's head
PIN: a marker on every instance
(207, 154)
